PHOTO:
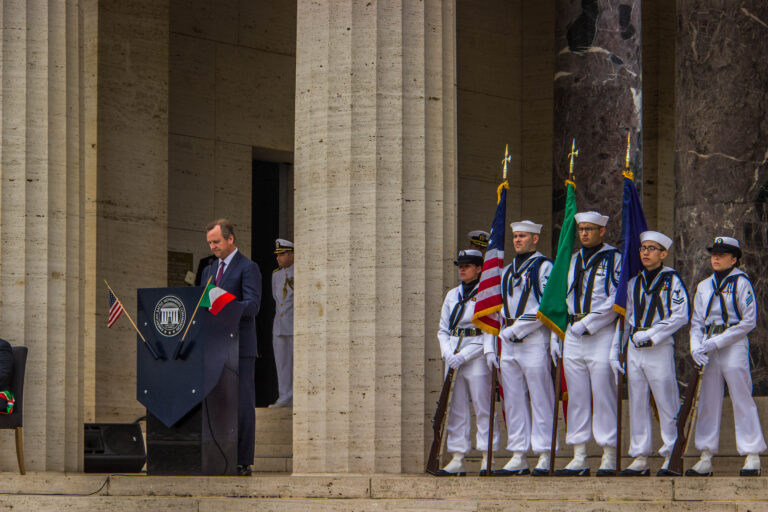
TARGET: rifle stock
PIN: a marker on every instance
(438, 421)
(619, 404)
(558, 371)
(494, 384)
(685, 416)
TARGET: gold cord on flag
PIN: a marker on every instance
(505, 183)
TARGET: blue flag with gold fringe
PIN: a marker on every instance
(632, 224)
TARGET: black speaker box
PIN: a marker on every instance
(113, 448)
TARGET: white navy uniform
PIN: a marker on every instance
(472, 380)
(661, 308)
(586, 358)
(282, 330)
(731, 304)
(524, 365)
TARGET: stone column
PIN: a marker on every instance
(720, 140)
(43, 182)
(132, 189)
(375, 229)
(598, 97)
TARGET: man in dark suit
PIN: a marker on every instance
(241, 277)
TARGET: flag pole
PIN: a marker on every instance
(132, 322)
(189, 324)
(622, 355)
(559, 366)
(495, 383)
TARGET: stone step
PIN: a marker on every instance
(78, 492)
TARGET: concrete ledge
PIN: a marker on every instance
(721, 489)
(255, 486)
(522, 488)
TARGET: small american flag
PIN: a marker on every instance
(489, 301)
(115, 309)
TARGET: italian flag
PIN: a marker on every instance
(214, 298)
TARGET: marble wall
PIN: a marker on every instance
(598, 100)
(721, 131)
(231, 99)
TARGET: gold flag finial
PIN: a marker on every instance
(507, 159)
(573, 154)
(627, 172)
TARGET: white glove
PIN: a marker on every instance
(616, 367)
(578, 328)
(508, 333)
(554, 350)
(708, 345)
(641, 339)
(490, 360)
(456, 360)
(699, 356)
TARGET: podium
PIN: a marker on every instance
(190, 390)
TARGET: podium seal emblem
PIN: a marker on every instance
(170, 316)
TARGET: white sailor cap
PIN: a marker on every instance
(282, 246)
(592, 218)
(469, 256)
(655, 236)
(526, 226)
(479, 238)
(726, 244)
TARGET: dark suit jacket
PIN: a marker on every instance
(243, 280)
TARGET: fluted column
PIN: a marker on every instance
(375, 229)
(42, 182)
(598, 97)
(720, 145)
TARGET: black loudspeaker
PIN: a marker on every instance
(113, 448)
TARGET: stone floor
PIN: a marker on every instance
(118, 493)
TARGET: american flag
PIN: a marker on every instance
(489, 301)
(115, 309)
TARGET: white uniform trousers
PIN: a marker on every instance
(525, 371)
(732, 365)
(471, 382)
(283, 349)
(652, 370)
(592, 406)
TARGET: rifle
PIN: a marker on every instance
(619, 391)
(685, 415)
(558, 371)
(494, 385)
(438, 421)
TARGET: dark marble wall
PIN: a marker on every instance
(721, 147)
(597, 99)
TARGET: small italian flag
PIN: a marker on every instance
(214, 298)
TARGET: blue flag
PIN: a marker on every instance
(632, 224)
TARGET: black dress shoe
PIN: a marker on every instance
(635, 472)
(514, 472)
(540, 472)
(243, 470)
(443, 472)
(666, 472)
(749, 472)
(484, 472)
(606, 472)
(572, 472)
(693, 472)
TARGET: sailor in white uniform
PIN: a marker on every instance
(657, 307)
(282, 327)
(590, 368)
(525, 367)
(461, 346)
(724, 312)
(478, 239)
